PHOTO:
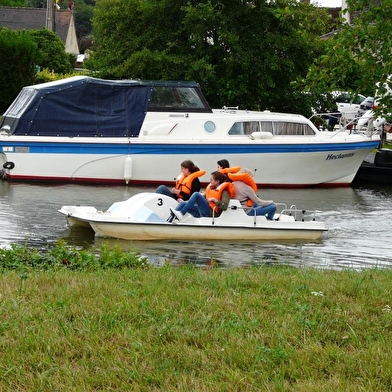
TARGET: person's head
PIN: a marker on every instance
(216, 179)
(223, 164)
(188, 167)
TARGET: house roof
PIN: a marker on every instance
(17, 18)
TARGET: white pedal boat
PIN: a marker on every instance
(145, 217)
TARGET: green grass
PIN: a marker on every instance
(123, 326)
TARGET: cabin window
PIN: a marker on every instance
(244, 128)
(292, 129)
(209, 126)
(276, 128)
(20, 104)
(165, 98)
(267, 126)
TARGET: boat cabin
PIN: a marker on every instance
(92, 107)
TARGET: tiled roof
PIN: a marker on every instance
(34, 18)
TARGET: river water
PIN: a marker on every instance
(358, 219)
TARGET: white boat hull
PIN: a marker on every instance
(144, 217)
(271, 168)
(182, 232)
(142, 139)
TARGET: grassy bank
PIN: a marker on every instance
(122, 326)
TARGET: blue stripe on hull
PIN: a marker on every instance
(182, 149)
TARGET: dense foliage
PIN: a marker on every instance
(22, 54)
(242, 53)
(359, 54)
(83, 12)
(12, 3)
(18, 54)
(60, 256)
(51, 51)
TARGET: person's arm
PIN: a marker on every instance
(224, 202)
(252, 196)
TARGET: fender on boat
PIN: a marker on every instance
(261, 135)
(9, 165)
(128, 163)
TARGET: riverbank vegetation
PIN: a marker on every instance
(81, 321)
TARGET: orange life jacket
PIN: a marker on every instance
(217, 193)
(247, 179)
(233, 169)
(184, 184)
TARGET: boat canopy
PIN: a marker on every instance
(91, 107)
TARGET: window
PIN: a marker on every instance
(164, 98)
(244, 128)
(287, 128)
(276, 128)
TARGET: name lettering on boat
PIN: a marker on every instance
(339, 156)
(22, 149)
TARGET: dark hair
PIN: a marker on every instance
(190, 165)
(224, 163)
(218, 176)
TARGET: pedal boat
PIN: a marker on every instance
(147, 216)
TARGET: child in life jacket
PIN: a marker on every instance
(245, 191)
(212, 203)
(225, 168)
(186, 184)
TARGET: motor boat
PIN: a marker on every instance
(147, 216)
(89, 130)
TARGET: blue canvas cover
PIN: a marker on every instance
(79, 106)
(83, 106)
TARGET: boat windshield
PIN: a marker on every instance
(277, 128)
(177, 99)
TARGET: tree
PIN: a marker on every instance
(36, 3)
(12, 3)
(83, 12)
(243, 53)
(52, 53)
(359, 54)
(18, 53)
(83, 16)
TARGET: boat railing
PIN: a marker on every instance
(230, 107)
(282, 209)
(341, 124)
(298, 214)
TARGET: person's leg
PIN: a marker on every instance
(180, 205)
(164, 190)
(269, 211)
(196, 203)
(203, 206)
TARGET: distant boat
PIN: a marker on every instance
(90, 130)
(146, 216)
(376, 168)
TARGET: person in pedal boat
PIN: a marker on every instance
(215, 199)
(186, 184)
(225, 168)
(245, 187)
